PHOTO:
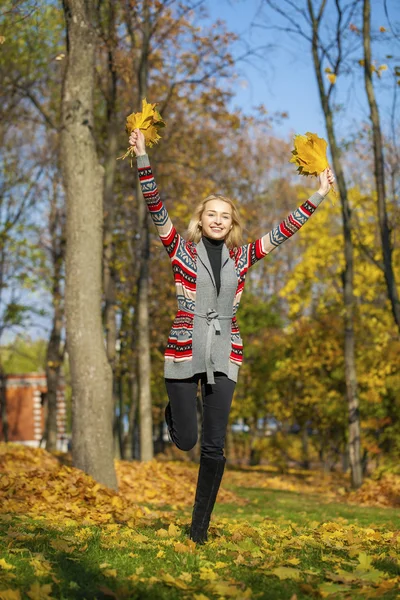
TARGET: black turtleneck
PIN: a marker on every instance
(214, 251)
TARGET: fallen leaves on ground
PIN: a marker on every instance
(33, 482)
(159, 482)
(322, 559)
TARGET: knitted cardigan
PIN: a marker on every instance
(183, 256)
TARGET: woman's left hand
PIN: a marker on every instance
(326, 179)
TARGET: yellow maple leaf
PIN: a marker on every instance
(149, 121)
(286, 573)
(110, 572)
(173, 530)
(40, 592)
(331, 77)
(173, 581)
(10, 595)
(309, 154)
(5, 565)
(163, 533)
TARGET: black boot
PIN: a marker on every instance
(210, 476)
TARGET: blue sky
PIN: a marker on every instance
(287, 81)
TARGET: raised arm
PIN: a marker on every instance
(289, 226)
(167, 232)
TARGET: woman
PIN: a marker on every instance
(204, 344)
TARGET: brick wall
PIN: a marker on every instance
(26, 413)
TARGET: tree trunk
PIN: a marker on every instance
(55, 348)
(129, 437)
(379, 170)
(143, 324)
(3, 404)
(305, 455)
(110, 165)
(143, 344)
(92, 406)
(53, 367)
(348, 275)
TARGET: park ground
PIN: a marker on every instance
(296, 536)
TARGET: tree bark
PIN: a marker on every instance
(3, 404)
(55, 347)
(348, 274)
(379, 170)
(110, 164)
(128, 442)
(109, 179)
(92, 405)
(143, 322)
(54, 361)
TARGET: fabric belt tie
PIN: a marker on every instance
(213, 322)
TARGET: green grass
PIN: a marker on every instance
(273, 528)
(301, 509)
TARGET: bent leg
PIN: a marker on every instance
(182, 421)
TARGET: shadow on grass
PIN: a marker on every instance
(75, 575)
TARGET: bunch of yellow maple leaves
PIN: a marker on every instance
(149, 121)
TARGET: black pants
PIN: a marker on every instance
(217, 400)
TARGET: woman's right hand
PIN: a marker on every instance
(136, 139)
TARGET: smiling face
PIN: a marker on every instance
(216, 219)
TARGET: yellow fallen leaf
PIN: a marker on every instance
(140, 539)
(327, 589)
(173, 581)
(173, 531)
(5, 565)
(62, 546)
(10, 595)
(179, 547)
(110, 572)
(286, 573)
(188, 546)
(293, 561)
(162, 533)
(230, 591)
(208, 574)
(40, 592)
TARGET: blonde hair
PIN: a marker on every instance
(235, 235)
